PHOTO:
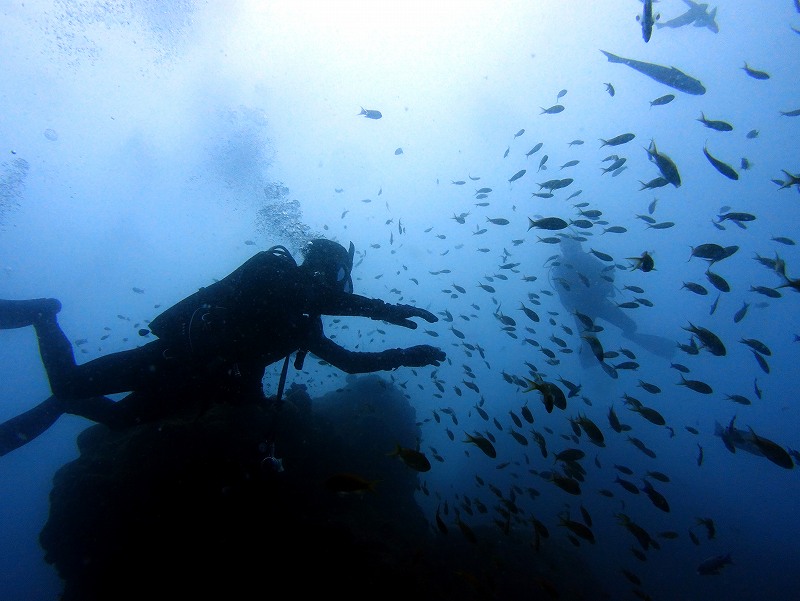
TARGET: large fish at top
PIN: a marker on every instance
(647, 20)
(669, 76)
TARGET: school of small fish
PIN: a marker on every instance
(557, 452)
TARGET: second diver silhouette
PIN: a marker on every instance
(585, 286)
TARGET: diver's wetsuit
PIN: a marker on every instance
(217, 343)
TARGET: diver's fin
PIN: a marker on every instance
(22, 313)
(25, 427)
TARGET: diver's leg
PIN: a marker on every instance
(658, 345)
(55, 350)
(100, 409)
(615, 316)
(117, 372)
(22, 313)
(25, 427)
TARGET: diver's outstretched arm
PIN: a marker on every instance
(358, 362)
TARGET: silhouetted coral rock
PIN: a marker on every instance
(188, 507)
(184, 506)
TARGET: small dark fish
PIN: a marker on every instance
(756, 389)
(520, 438)
(766, 291)
(651, 388)
(723, 168)
(542, 162)
(713, 308)
(741, 313)
(738, 398)
(412, 458)
(696, 385)
(610, 89)
(627, 485)
(713, 252)
(370, 114)
(716, 125)
(534, 150)
(603, 256)
(656, 498)
(712, 565)
(440, 523)
(762, 363)
(517, 175)
(615, 165)
(773, 451)
(752, 134)
(667, 167)
(663, 225)
(519, 133)
(755, 74)
(710, 340)
(617, 140)
(757, 346)
(548, 223)
(556, 108)
(483, 444)
(666, 99)
(658, 182)
(718, 281)
(346, 483)
(398, 151)
(566, 484)
(736, 216)
(645, 262)
(458, 333)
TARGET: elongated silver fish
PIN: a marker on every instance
(669, 76)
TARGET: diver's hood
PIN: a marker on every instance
(331, 262)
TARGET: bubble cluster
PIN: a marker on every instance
(12, 184)
(282, 218)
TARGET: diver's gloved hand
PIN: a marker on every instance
(399, 315)
(422, 355)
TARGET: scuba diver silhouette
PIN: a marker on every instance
(213, 345)
(585, 285)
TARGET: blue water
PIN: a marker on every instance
(160, 148)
